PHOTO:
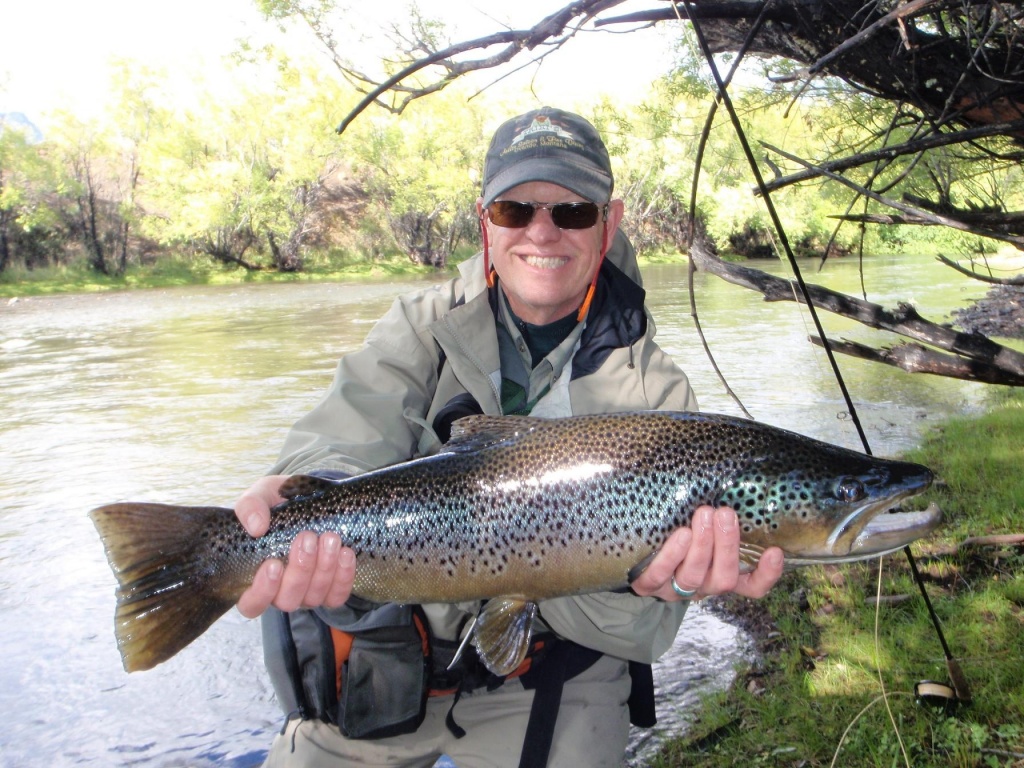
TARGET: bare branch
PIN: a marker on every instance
(888, 153)
(948, 221)
(916, 358)
(904, 320)
(1016, 280)
(544, 32)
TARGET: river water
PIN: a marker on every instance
(184, 396)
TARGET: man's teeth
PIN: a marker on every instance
(544, 262)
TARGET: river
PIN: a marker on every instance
(184, 396)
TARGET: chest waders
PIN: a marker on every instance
(370, 669)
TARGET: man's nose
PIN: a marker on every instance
(542, 227)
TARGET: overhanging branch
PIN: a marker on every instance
(546, 32)
(916, 358)
(925, 216)
(904, 320)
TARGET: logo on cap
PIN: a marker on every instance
(542, 124)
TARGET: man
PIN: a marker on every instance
(542, 323)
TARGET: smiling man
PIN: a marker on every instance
(547, 320)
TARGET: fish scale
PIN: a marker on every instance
(515, 510)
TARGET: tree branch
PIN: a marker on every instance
(516, 41)
(1016, 280)
(916, 358)
(1014, 239)
(888, 153)
(904, 320)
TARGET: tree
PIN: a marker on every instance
(101, 170)
(85, 193)
(242, 179)
(412, 175)
(26, 219)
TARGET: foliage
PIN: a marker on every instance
(27, 221)
(421, 176)
(249, 172)
(255, 177)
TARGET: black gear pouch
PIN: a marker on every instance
(383, 684)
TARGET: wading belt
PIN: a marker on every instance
(549, 664)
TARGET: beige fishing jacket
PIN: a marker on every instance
(436, 344)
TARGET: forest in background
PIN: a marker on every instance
(262, 181)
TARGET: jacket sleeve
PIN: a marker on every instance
(372, 415)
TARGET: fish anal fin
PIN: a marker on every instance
(471, 433)
(502, 633)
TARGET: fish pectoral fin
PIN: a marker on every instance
(637, 570)
(750, 556)
(298, 486)
(502, 633)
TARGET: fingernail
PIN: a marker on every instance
(347, 558)
(706, 515)
(274, 570)
(726, 520)
(309, 544)
(331, 543)
(252, 523)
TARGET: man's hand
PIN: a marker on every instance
(705, 559)
(319, 572)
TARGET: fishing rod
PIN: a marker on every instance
(960, 687)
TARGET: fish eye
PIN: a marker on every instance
(849, 490)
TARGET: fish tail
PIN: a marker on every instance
(167, 593)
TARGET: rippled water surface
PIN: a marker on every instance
(185, 396)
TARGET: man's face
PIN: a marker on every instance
(545, 271)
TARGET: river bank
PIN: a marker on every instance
(831, 641)
(1000, 312)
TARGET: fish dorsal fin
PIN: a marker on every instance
(502, 632)
(471, 433)
(298, 486)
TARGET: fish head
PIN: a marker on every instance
(824, 504)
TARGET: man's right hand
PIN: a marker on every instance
(319, 571)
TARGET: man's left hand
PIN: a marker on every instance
(704, 559)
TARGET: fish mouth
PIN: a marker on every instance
(885, 533)
(870, 532)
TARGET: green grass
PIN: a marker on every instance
(834, 681)
(169, 272)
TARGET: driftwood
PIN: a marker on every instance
(974, 356)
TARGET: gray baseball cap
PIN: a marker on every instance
(550, 145)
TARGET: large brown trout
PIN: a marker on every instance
(515, 510)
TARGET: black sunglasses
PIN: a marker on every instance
(516, 215)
